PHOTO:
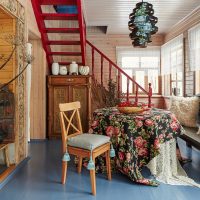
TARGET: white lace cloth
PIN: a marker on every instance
(167, 169)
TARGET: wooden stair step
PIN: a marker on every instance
(61, 30)
(61, 42)
(59, 16)
(58, 2)
(64, 53)
(68, 63)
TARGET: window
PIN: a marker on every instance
(172, 67)
(143, 65)
(194, 54)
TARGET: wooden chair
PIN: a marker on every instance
(79, 144)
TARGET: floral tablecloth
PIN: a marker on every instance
(136, 138)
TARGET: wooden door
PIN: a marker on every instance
(80, 93)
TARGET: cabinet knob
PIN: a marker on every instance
(70, 80)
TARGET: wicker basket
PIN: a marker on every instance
(129, 110)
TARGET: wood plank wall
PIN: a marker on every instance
(7, 27)
(107, 44)
(38, 92)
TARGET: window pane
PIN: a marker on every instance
(149, 62)
(153, 79)
(124, 81)
(180, 88)
(173, 59)
(139, 77)
(179, 76)
(130, 62)
(173, 74)
(179, 57)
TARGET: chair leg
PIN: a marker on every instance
(64, 171)
(93, 180)
(108, 164)
(80, 160)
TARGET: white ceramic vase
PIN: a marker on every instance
(55, 68)
(63, 70)
(73, 68)
(84, 70)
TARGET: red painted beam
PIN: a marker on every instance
(57, 53)
(38, 11)
(61, 30)
(58, 2)
(60, 42)
(58, 16)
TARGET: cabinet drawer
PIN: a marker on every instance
(67, 80)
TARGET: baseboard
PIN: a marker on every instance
(37, 140)
(13, 171)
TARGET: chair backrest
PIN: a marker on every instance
(68, 113)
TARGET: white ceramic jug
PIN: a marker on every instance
(73, 68)
(55, 68)
(63, 70)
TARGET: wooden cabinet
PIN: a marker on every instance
(63, 89)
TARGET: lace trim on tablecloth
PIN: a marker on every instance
(166, 167)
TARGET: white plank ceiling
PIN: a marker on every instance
(115, 13)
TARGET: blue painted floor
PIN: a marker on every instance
(40, 180)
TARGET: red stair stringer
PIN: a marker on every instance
(41, 17)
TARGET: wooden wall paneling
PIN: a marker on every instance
(38, 92)
(7, 25)
(107, 44)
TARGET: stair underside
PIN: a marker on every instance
(58, 2)
(58, 16)
(61, 42)
(61, 30)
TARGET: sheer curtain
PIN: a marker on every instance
(167, 51)
(172, 66)
(194, 47)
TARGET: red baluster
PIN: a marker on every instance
(136, 95)
(149, 95)
(101, 70)
(110, 71)
(93, 62)
(127, 93)
(119, 82)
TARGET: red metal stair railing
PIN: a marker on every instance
(120, 72)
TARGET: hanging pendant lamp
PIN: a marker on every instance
(142, 24)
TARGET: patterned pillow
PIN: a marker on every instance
(186, 110)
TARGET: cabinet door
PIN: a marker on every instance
(60, 95)
(81, 93)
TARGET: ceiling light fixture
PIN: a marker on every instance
(142, 24)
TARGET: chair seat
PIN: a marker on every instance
(85, 141)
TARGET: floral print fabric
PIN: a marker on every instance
(136, 138)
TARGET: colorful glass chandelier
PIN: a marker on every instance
(142, 24)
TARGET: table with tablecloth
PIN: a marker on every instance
(136, 138)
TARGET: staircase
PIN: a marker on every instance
(70, 47)
(74, 20)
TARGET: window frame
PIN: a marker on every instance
(128, 53)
